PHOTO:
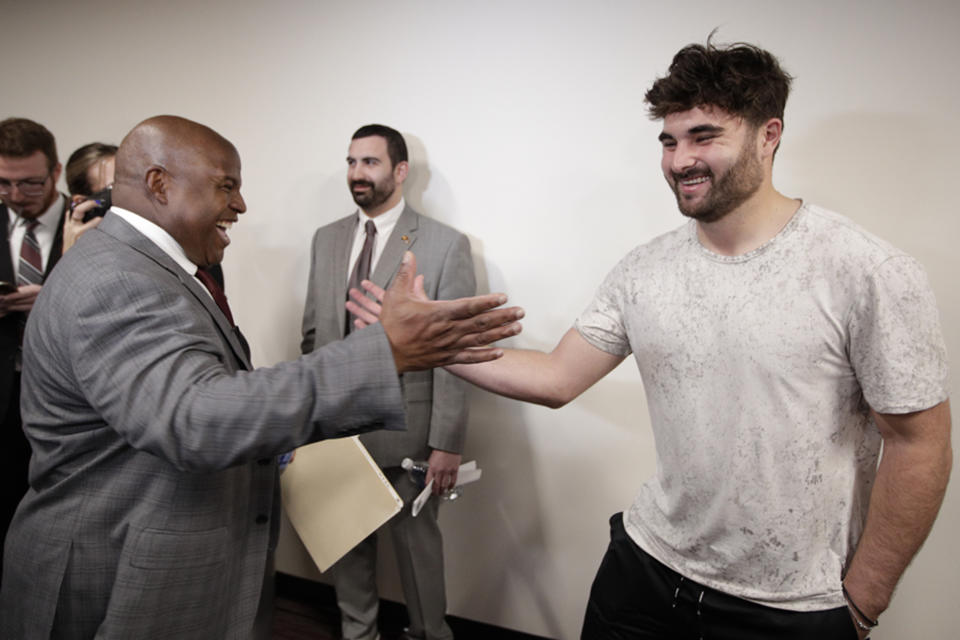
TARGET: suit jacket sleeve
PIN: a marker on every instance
(448, 419)
(151, 362)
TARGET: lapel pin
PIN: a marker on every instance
(405, 238)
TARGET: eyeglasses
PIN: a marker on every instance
(28, 187)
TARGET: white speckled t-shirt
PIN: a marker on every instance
(758, 370)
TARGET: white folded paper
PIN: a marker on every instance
(467, 473)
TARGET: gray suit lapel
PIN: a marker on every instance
(121, 230)
(343, 242)
(401, 240)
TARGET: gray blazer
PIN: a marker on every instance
(153, 498)
(435, 400)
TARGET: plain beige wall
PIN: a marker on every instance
(528, 132)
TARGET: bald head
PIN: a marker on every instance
(184, 177)
(165, 141)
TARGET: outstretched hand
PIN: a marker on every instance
(426, 333)
(367, 310)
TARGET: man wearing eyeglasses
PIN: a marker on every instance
(32, 215)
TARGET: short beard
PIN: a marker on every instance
(734, 187)
(376, 196)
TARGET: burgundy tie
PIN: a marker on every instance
(217, 293)
(361, 270)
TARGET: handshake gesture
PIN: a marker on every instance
(426, 333)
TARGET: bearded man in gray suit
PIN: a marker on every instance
(377, 166)
(153, 502)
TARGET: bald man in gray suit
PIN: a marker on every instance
(153, 503)
(435, 400)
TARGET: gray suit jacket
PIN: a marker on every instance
(435, 400)
(153, 498)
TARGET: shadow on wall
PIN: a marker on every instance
(418, 179)
(508, 501)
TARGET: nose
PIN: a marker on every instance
(15, 189)
(355, 172)
(682, 158)
(238, 204)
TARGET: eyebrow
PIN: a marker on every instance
(706, 128)
(693, 131)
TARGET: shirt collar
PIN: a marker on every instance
(49, 218)
(386, 219)
(159, 237)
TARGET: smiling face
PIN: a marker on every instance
(375, 184)
(205, 201)
(28, 184)
(711, 161)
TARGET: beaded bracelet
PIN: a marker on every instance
(860, 624)
(869, 621)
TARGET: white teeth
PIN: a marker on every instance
(694, 181)
(225, 225)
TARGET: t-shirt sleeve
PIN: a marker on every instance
(896, 345)
(602, 323)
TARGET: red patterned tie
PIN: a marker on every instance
(30, 271)
(31, 260)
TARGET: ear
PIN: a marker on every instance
(401, 171)
(55, 174)
(769, 136)
(157, 182)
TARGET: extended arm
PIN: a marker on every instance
(552, 379)
(910, 484)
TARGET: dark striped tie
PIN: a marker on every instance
(31, 260)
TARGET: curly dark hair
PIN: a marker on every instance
(742, 79)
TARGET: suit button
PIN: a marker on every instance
(262, 519)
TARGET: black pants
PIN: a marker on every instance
(14, 462)
(635, 596)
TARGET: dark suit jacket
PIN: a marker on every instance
(10, 323)
(153, 485)
(435, 400)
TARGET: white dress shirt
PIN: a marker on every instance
(385, 223)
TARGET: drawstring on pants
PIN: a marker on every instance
(676, 599)
(700, 613)
(676, 593)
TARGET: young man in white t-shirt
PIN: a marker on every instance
(779, 345)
